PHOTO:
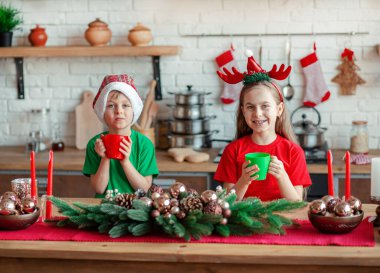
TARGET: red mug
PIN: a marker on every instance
(112, 144)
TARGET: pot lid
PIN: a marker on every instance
(139, 27)
(189, 92)
(97, 23)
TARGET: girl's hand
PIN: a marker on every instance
(247, 172)
(125, 149)
(276, 168)
(100, 149)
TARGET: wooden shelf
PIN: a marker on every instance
(87, 51)
(18, 53)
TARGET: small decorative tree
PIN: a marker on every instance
(348, 79)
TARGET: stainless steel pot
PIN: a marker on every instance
(193, 126)
(196, 111)
(309, 135)
(189, 97)
(196, 141)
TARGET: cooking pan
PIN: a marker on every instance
(195, 111)
(189, 96)
(193, 126)
(196, 141)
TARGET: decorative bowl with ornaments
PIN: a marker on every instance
(17, 213)
(333, 215)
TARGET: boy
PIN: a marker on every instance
(118, 105)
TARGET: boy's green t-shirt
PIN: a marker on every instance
(143, 158)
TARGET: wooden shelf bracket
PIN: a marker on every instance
(20, 77)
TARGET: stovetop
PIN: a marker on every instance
(317, 155)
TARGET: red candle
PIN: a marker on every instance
(49, 188)
(348, 176)
(330, 175)
(33, 186)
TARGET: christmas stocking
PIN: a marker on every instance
(230, 92)
(316, 88)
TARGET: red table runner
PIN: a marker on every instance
(306, 234)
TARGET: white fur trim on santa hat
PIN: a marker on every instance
(127, 90)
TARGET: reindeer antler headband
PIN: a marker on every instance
(255, 73)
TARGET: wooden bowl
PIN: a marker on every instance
(335, 224)
(14, 222)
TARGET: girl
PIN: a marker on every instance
(263, 125)
(118, 106)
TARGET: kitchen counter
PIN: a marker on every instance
(71, 159)
(70, 182)
(66, 256)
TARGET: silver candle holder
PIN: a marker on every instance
(375, 188)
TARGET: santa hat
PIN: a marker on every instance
(122, 83)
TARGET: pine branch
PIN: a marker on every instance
(223, 230)
(138, 215)
(141, 229)
(63, 206)
(111, 209)
(119, 230)
(89, 208)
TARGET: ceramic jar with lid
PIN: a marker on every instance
(98, 33)
(359, 137)
(140, 35)
(37, 36)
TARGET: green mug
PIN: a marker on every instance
(262, 160)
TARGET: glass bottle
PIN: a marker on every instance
(57, 143)
(32, 143)
(359, 137)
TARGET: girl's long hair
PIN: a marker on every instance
(283, 125)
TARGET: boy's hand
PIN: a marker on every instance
(276, 168)
(247, 172)
(100, 149)
(125, 149)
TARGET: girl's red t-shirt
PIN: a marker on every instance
(293, 157)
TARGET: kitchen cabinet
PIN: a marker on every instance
(66, 184)
(19, 53)
(360, 188)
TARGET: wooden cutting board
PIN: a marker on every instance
(87, 123)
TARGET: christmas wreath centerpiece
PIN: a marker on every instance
(179, 213)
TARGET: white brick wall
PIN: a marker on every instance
(58, 83)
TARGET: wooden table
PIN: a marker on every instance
(57, 257)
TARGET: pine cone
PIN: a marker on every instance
(125, 200)
(213, 208)
(190, 204)
(155, 188)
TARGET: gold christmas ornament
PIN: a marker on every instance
(147, 201)
(355, 204)
(162, 204)
(343, 209)
(318, 207)
(176, 189)
(28, 205)
(10, 195)
(7, 207)
(155, 195)
(208, 196)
